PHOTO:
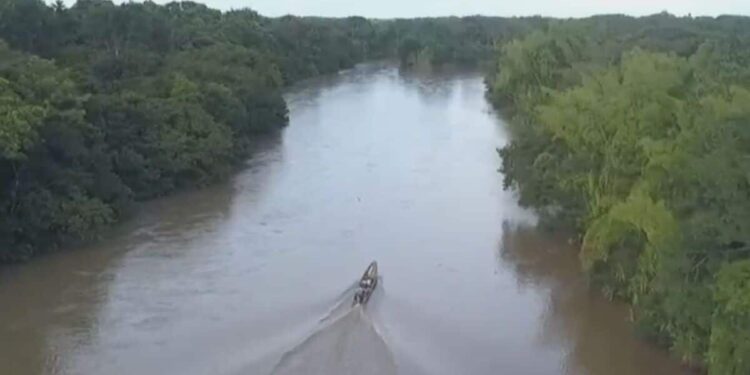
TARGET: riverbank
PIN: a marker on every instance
(100, 115)
(644, 152)
(371, 167)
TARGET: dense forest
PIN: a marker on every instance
(636, 132)
(102, 105)
(632, 131)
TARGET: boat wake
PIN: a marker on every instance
(347, 343)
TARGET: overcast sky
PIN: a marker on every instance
(433, 8)
(424, 8)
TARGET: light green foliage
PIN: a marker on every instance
(730, 341)
(18, 122)
(647, 155)
(80, 216)
(191, 145)
(529, 68)
(605, 123)
(640, 213)
(636, 132)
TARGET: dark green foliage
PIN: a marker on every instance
(128, 102)
(56, 174)
(104, 104)
(635, 131)
(639, 135)
(429, 42)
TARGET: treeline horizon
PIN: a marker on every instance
(634, 131)
(103, 105)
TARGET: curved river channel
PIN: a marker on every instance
(376, 164)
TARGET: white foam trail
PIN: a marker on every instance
(349, 345)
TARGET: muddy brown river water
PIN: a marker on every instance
(375, 164)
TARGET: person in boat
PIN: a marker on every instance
(367, 285)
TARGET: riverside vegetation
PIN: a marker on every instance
(634, 131)
(637, 134)
(102, 105)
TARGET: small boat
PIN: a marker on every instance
(367, 285)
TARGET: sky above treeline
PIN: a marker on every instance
(433, 8)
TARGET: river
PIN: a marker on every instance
(376, 164)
